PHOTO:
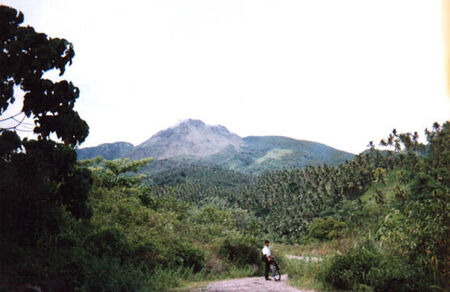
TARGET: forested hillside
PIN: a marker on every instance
(197, 223)
(391, 205)
(108, 151)
(395, 236)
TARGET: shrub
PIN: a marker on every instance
(108, 240)
(239, 250)
(107, 274)
(325, 229)
(345, 271)
(190, 256)
(366, 267)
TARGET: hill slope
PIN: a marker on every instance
(109, 151)
(274, 152)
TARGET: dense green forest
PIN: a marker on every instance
(101, 225)
(197, 223)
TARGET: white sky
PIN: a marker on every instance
(337, 72)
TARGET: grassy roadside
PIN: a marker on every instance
(316, 248)
(302, 274)
(306, 274)
(279, 251)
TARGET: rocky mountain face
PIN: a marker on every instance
(192, 138)
(195, 143)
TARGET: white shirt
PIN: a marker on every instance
(266, 250)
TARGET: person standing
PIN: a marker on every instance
(267, 259)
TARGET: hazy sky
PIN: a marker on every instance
(337, 72)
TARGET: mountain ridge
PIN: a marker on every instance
(193, 142)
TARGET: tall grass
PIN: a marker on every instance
(304, 275)
(316, 248)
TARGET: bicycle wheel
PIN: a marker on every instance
(276, 273)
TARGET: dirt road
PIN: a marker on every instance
(254, 284)
(303, 258)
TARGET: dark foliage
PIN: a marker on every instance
(37, 176)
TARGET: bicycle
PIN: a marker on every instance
(276, 274)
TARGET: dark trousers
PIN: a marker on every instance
(267, 269)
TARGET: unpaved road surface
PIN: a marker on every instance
(303, 258)
(254, 284)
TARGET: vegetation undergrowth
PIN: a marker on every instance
(400, 239)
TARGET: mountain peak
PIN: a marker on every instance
(193, 123)
(200, 124)
(192, 138)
